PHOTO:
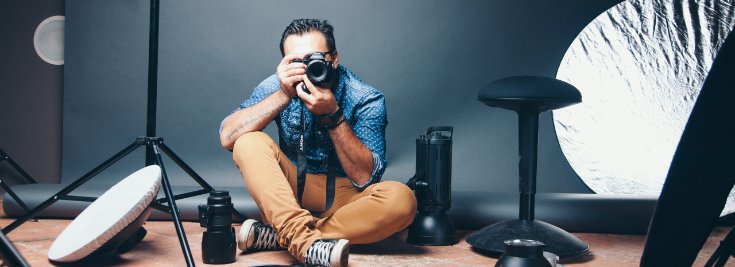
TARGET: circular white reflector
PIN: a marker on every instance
(107, 216)
(640, 67)
(48, 40)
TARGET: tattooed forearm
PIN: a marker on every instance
(253, 118)
(237, 132)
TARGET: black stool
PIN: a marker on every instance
(528, 96)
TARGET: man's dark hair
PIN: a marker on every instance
(302, 26)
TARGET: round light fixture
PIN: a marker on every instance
(48, 40)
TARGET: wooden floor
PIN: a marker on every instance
(161, 248)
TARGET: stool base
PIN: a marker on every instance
(558, 241)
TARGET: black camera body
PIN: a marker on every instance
(218, 242)
(319, 71)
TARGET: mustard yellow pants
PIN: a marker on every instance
(361, 217)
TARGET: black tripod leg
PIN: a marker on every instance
(26, 176)
(174, 210)
(240, 217)
(74, 185)
(184, 166)
(6, 157)
(193, 174)
(724, 251)
(10, 255)
(14, 196)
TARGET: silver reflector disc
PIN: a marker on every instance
(640, 67)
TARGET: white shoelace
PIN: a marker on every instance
(266, 239)
(318, 253)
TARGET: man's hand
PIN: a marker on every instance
(290, 73)
(319, 101)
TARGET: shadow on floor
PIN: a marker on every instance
(390, 246)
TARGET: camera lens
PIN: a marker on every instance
(317, 71)
(523, 247)
(218, 241)
(217, 211)
(523, 253)
(219, 197)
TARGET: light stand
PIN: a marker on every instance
(153, 146)
(9, 254)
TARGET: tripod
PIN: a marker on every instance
(154, 145)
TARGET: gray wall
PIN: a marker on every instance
(429, 57)
(30, 94)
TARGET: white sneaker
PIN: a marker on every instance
(328, 252)
(257, 236)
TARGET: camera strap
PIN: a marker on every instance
(301, 169)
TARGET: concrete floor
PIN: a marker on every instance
(161, 248)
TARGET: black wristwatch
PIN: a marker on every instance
(331, 121)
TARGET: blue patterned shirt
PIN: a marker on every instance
(364, 110)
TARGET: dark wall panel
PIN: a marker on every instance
(106, 73)
(30, 94)
(429, 57)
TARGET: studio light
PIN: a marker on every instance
(433, 186)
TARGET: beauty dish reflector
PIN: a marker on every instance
(112, 221)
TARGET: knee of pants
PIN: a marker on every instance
(400, 199)
(251, 144)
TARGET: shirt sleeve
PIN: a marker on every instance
(370, 122)
(266, 88)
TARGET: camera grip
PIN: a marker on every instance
(306, 89)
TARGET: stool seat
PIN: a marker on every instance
(529, 92)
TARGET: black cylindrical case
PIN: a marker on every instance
(433, 187)
(434, 159)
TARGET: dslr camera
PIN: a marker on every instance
(318, 70)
